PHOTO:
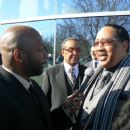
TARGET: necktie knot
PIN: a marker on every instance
(104, 75)
(31, 89)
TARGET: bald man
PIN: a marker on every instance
(22, 107)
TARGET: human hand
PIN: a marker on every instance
(73, 102)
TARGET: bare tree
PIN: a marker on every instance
(87, 28)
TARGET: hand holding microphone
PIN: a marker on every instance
(73, 102)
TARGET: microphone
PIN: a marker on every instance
(105, 74)
(87, 75)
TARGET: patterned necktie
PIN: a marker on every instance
(101, 82)
(72, 76)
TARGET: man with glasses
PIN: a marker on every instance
(109, 87)
(60, 83)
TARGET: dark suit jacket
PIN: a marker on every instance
(56, 86)
(16, 108)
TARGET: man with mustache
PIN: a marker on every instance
(109, 87)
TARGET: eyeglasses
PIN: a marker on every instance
(105, 42)
(92, 51)
(71, 50)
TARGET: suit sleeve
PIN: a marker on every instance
(45, 85)
(61, 121)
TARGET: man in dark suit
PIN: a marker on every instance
(59, 88)
(22, 107)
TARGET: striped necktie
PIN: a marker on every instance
(72, 76)
(101, 82)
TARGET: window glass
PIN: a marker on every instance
(19, 9)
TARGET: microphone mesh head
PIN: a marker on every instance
(89, 72)
(105, 73)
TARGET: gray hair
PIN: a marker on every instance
(69, 38)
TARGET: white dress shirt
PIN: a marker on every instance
(68, 67)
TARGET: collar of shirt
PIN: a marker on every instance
(67, 69)
(95, 63)
(24, 82)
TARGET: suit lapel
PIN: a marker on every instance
(60, 76)
(80, 76)
(43, 104)
(21, 94)
(81, 73)
(18, 94)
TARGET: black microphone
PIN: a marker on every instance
(87, 75)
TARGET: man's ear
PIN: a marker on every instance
(17, 54)
(62, 52)
(126, 45)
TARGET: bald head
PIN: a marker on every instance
(18, 37)
(21, 48)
